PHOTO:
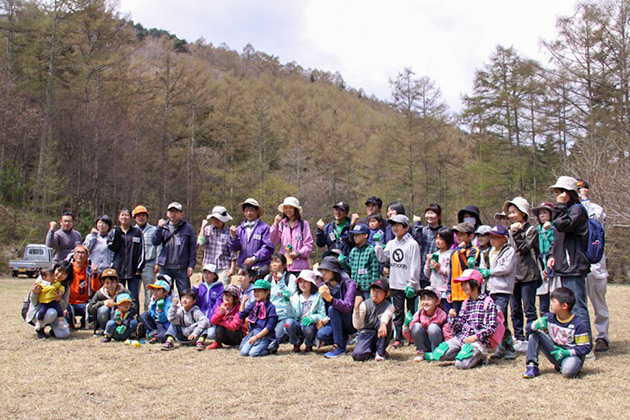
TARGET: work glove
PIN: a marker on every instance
(377, 237)
(307, 320)
(470, 262)
(485, 272)
(121, 329)
(437, 354)
(410, 292)
(286, 295)
(466, 352)
(540, 324)
(559, 353)
(408, 318)
(160, 304)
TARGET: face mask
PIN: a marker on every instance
(470, 220)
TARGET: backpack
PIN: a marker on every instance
(595, 242)
(499, 332)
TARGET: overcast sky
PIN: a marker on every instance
(368, 42)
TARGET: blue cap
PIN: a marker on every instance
(360, 228)
(499, 230)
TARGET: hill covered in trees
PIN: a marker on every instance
(99, 113)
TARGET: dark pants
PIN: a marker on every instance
(580, 309)
(133, 285)
(229, 337)
(457, 305)
(110, 330)
(398, 300)
(502, 300)
(368, 343)
(180, 276)
(337, 330)
(43, 307)
(77, 309)
(153, 327)
(523, 297)
(543, 304)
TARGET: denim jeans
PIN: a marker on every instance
(502, 300)
(179, 276)
(543, 304)
(580, 309)
(259, 348)
(110, 330)
(569, 366)
(426, 339)
(148, 277)
(298, 333)
(337, 330)
(523, 297)
(176, 332)
(77, 309)
(153, 327)
(133, 285)
(103, 314)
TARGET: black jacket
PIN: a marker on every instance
(128, 251)
(568, 245)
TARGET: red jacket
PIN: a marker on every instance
(230, 320)
(439, 318)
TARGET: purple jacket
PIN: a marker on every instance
(300, 238)
(343, 299)
(258, 244)
(209, 296)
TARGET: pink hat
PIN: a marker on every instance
(307, 275)
(470, 274)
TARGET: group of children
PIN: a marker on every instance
(369, 289)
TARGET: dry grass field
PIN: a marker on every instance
(83, 378)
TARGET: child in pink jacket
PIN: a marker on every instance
(429, 326)
(230, 326)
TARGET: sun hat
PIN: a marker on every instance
(220, 213)
(251, 202)
(565, 183)
(210, 267)
(234, 290)
(544, 205)
(470, 209)
(520, 203)
(290, 201)
(330, 263)
(307, 275)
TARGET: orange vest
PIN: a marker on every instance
(459, 263)
(82, 288)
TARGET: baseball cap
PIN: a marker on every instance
(160, 284)
(483, 230)
(123, 297)
(175, 205)
(374, 200)
(463, 227)
(382, 284)
(499, 230)
(109, 273)
(262, 284)
(342, 205)
(470, 274)
(359, 229)
(429, 290)
(400, 219)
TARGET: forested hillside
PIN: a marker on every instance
(98, 113)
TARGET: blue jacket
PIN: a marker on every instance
(161, 316)
(328, 238)
(186, 241)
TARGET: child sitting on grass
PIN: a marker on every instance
(262, 318)
(473, 327)
(429, 326)
(373, 319)
(307, 309)
(230, 328)
(562, 335)
(50, 282)
(283, 286)
(188, 323)
(122, 323)
(245, 278)
(209, 294)
(155, 320)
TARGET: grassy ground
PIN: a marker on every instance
(83, 378)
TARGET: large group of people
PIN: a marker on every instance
(384, 281)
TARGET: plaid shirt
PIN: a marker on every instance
(425, 236)
(364, 266)
(474, 319)
(216, 247)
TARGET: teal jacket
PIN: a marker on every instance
(318, 310)
(286, 283)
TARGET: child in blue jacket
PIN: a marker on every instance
(262, 319)
(155, 320)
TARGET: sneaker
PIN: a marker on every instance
(397, 344)
(215, 345)
(510, 354)
(590, 356)
(531, 372)
(168, 346)
(520, 346)
(420, 357)
(106, 339)
(41, 334)
(379, 358)
(499, 353)
(153, 340)
(98, 333)
(601, 345)
(308, 349)
(296, 348)
(200, 346)
(353, 339)
(336, 351)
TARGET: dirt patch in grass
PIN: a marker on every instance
(83, 378)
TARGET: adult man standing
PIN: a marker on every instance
(373, 205)
(597, 279)
(141, 215)
(336, 234)
(62, 241)
(179, 248)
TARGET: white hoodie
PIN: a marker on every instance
(404, 262)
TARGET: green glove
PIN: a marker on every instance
(117, 316)
(377, 237)
(121, 329)
(307, 320)
(540, 324)
(437, 354)
(341, 258)
(160, 304)
(408, 318)
(466, 352)
(485, 272)
(286, 295)
(410, 292)
(470, 262)
(559, 353)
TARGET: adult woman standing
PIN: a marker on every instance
(214, 237)
(290, 230)
(127, 243)
(101, 256)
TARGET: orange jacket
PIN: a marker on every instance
(84, 284)
(459, 263)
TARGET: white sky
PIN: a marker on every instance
(367, 41)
